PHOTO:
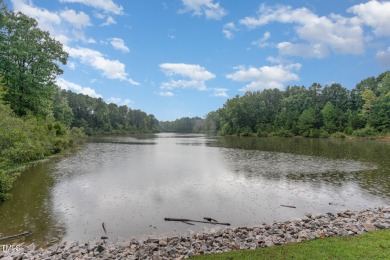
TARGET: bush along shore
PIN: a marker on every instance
(345, 223)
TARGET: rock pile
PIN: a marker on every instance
(224, 240)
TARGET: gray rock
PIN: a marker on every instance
(217, 241)
(100, 248)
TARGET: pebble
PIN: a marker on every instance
(345, 223)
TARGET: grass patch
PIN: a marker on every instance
(373, 245)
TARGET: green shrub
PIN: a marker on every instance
(226, 129)
(246, 131)
(28, 139)
(261, 133)
(283, 133)
(338, 135)
(77, 135)
(348, 130)
(364, 132)
(324, 134)
(314, 133)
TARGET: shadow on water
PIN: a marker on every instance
(141, 140)
(31, 208)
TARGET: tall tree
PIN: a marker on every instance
(29, 62)
(61, 110)
(331, 118)
(368, 97)
(307, 121)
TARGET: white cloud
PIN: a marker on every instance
(228, 34)
(374, 14)
(172, 33)
(204, 7)
(220, 92)
(67, 85)
(53, 22)
(119, 44)
(79, 35)
(228, 30)
(383, 57)
(109, 21)
(78, 20)
(337, 33)
(112, 69)
(106, 5)
(315, 50)
(266, 77)
(195, 76)
(166, 94)
(262, 42)
(276, 60)
(200, 85)
(71, 65)
(127, 102)
(192, 71)
(45, 18)
(62, 38)
(279, 13)
(99, 15)
(120, 101)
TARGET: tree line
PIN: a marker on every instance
(315, 111)
(182, 125)
(95, 116)
(37, 118)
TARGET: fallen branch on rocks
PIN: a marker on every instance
(344, 223)
(197, 221)
(17, 235)
(104, 228)
(210, 219)
(288, 206)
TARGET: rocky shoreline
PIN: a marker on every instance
(224, 240)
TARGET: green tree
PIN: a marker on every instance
(114, 115)
(355, 120)
(380, 114)
(368, 97)
(307, 121)
(384, 85)
(61, 110)
(211, 122)
(337, 95)
(310, 112)
(331, 118)
(29, 62)
(100, 115)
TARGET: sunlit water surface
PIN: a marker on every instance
(132, 183)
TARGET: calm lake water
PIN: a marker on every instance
(132, 183)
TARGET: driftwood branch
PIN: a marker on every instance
(26, 233)
(104, 228)
(288, 206)
(197, 221)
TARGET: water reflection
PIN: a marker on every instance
(31, 208)
(273, 164)
(368, 160)
(132, 187)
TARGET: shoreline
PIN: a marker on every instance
(344, 223)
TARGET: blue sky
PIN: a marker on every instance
(178, 58)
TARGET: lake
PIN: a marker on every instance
(131, 183)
